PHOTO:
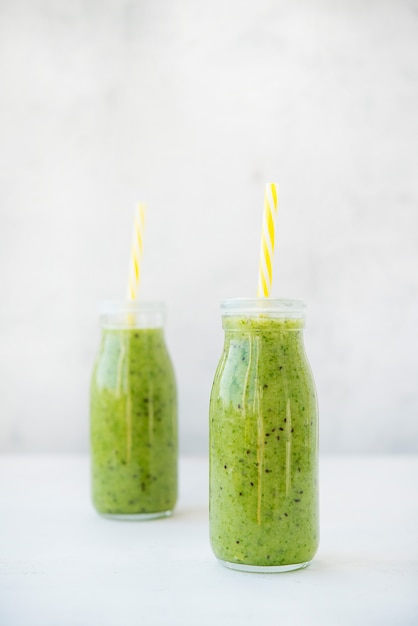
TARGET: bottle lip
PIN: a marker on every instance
(115, 307)
(288, 308)
(132, 314)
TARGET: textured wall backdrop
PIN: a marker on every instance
(191, 107)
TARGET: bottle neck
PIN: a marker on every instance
(132, 315)
(263, 317)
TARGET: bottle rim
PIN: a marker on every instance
(132, 314)
(293, 308)
(116, 307)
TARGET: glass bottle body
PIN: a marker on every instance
(263, 444)
(133, 417)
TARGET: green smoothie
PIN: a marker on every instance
(263, 447)
(133, 424)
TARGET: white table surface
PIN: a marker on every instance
(61, 564)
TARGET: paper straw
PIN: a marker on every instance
(136, 253)
(265, 270)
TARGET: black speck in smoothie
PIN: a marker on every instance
(248, 452)
(267, 434)
(239, 406)
(280, 428)
(278, 437)
(267, 471)
(252, 484)
(237, 542)
(286, 515)
(297, 499)
(265, 386)
(225, 466)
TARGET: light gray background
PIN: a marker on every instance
(192, 106)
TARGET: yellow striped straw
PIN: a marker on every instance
(136, 252)
(265, 270)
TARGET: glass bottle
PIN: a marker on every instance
(133, 415)
(263, 440)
